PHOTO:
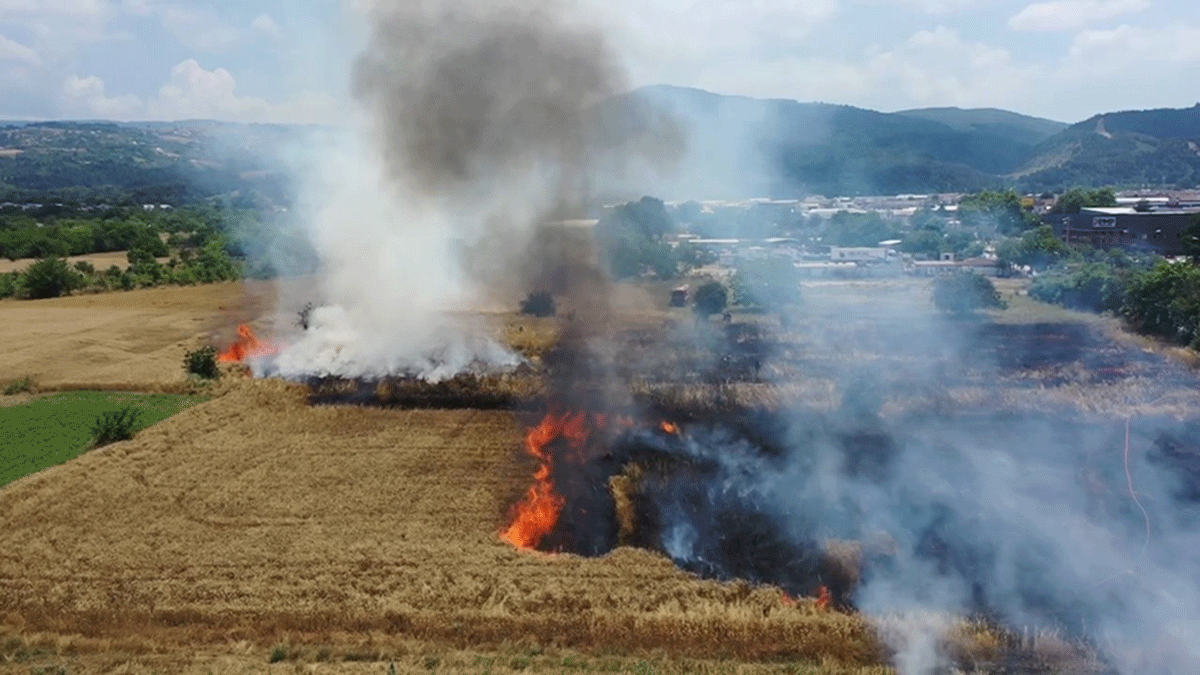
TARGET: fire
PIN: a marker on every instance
(537, 515)
(823, 598)
(670, 427)
(247, 345)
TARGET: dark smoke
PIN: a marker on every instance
(487, 111)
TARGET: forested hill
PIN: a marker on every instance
(737, 147)
(176, 163)
(1140, 147)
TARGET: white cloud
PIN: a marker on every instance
(1069, 14)
(193, 92)
(11, 50)
(931, 67)
(197, 29)
(68, 8)
(1109, 48)
(927, 6)
(87, 95)
(265, 24)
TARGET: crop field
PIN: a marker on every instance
(259, 532)
(52, 429)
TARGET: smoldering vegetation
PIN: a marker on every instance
(902, 461)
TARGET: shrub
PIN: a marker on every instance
(1165, 301)
(965, 291)
(711, 298)
(1096, 287)
(115, 425)
(50, 277)
(202, 363)
(21, 386)
(538, 303)
(10, 283)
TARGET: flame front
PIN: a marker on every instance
(247, 345)
(537, 515)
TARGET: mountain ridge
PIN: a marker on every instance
(737, 146)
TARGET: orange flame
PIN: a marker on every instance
(247, 345)
(823, 598)
(537, 514)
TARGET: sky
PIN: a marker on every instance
(289, 60)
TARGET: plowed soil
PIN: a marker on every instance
(257, 518)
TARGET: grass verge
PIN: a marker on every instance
(53, 429)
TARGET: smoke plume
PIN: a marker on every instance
(476, 124)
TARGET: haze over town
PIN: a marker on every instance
(276, 61)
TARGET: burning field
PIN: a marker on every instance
(847, 481)
(995, 517)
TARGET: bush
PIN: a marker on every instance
(50, 277)
(202, 363)
(10, 283)
(711, 298)
(115, 425)
(965, 291)
(1096, 287)
(1165, 301)
(538, 303)
(21, 386)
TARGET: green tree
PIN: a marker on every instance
(998, 211)
(710, 298)
(857, 229)
(965, 291)
(1075, 199)
(49, 278)
(1165, 301)
(1039, 248)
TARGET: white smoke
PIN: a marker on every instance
(472, 127)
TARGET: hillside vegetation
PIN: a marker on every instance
(737, 147)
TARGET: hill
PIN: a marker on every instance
(1020, 128)
(736, 147)
(175, 163)
(740, 147)
(1132, 148)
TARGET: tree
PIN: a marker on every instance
(1001, 211)
(711, 298)
(1075, 199)
(965, 291)
(50, 277)
(1039, 248)
(1165, 301)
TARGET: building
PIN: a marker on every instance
(1158, 229)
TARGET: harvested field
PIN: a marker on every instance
(345, 538)
(130, 340)
(101, 261)
(254, 517)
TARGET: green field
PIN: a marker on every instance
(52, 429)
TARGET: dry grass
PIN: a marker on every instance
(101, 261)
(254, 517)
(355, 537)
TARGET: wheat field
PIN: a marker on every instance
(259, 533)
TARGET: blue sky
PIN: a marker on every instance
(288, 61)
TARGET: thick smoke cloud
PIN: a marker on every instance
(476, 124)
